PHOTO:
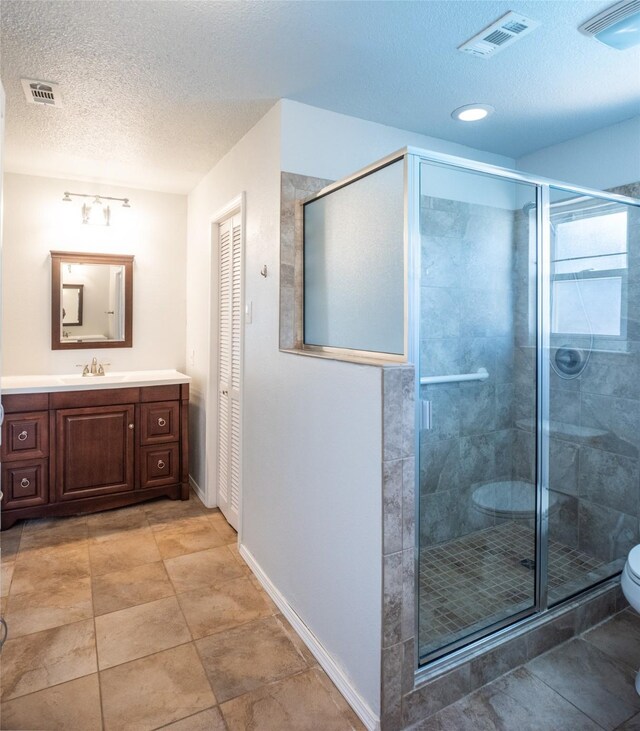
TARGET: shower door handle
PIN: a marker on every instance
(426, 415)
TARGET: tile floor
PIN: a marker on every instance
(586, 684)
(473, 581)
(147, 617)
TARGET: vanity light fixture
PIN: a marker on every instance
(472, 112)
(90, 209)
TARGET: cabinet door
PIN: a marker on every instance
(25, 484)
(94, 451)
(25, 436)
(160, 422)
(159, 465)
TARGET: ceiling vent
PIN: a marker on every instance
(42, 92)
(506, 30)
(617, 26)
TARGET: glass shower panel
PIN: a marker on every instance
(594, 396)
(354, 265)
(477, 441)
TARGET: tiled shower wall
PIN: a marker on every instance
(595, 428)
(467, 323)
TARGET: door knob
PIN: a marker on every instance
(130, 426)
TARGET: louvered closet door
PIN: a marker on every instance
(229, 368)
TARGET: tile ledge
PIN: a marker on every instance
(344, 358)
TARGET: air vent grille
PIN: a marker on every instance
(506, 30)
(42, 92)
(498, 37)
(610, 16)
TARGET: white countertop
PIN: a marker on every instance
(78, 382)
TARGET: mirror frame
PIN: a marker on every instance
(74, 257)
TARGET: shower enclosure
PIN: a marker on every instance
(518, 301)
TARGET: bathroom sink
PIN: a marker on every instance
(93, 380)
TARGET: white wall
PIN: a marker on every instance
(312, 431)
(37, 221)
(330, 145)
(602, 159)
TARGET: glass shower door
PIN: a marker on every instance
(477, 397)
(594, 395)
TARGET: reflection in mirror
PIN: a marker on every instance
(72, 305)
(91, 300)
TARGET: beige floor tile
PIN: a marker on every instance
(205, 568)
(39, 610)
(53, 532)
(59, 524)
(113, 522)
(129, 587)
(162, 512)
(48, 569)
(209, 720)
(155, 690)
(233, 603)
(138, 631)
(224, 529)
(6, 575)
(296, 639)
(47, 658)
(122, 551)
(300, 702)
(242, 659)
(72, 706)
(258, 586)
(188, 535)
(10, 542)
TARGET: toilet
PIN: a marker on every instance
(631, 587)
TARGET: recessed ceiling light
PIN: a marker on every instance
(472, 112)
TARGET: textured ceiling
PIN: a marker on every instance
(156, 92)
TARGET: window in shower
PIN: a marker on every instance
(589, 265)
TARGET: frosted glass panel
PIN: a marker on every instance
(354, 265)
(587, 306)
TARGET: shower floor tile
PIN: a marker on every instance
(484, 577)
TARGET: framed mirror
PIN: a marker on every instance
(91, 300)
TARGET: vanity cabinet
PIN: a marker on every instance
(69, 452)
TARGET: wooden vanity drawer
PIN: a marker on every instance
(159, 465)
(25, 436)
(25, 485)
(160, 422)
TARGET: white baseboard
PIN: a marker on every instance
(200, 493)
(328, 664)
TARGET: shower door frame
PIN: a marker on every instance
(495, 634)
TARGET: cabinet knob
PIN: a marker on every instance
(160, 464)
(24, 482)
(161, 421)
(130, 426)
(22, 436)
